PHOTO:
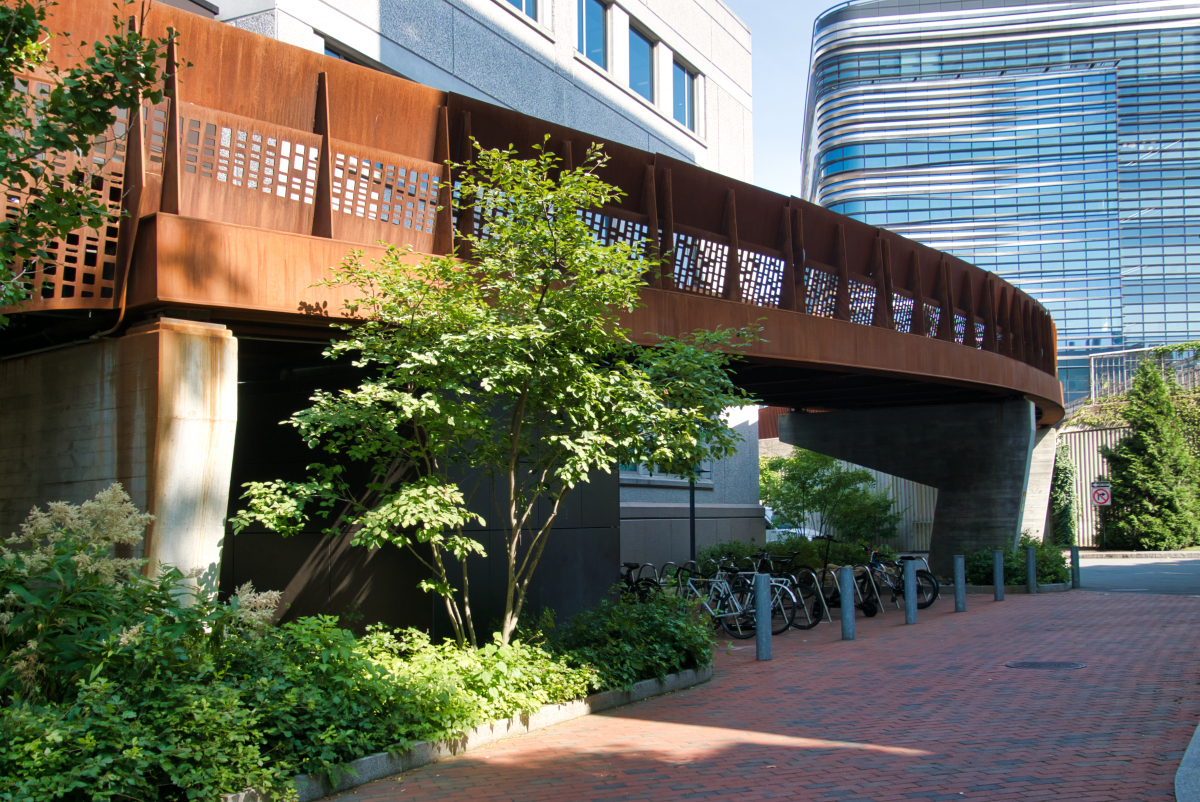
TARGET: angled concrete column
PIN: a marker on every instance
(194, 426)
(154, 410)
(976, 455)
(1041, 472)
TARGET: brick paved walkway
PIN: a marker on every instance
(927, 712)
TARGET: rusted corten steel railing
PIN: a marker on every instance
(258, 133)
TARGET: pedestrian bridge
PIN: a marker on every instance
(269, 164)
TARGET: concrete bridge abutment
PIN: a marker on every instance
(976, 455)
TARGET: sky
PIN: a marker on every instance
(781, 43)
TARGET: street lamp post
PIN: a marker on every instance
(692, 511)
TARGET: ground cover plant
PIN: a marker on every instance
(1051, 564)
(117, 686)
(628, 641)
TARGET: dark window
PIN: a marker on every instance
(685, 96)
(528, 6)
(641, 65)
(593, 31)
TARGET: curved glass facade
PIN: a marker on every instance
(1056, 144)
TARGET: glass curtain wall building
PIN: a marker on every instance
(1056, 144)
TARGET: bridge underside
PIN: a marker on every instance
(815, 390)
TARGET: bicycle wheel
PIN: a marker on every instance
(808, 606)
(783, 610)
(869, 605)
(740, 625)
(927, 589)
(641, 590)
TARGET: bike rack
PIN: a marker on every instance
(819, 591)
(874, 587)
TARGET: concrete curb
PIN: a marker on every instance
(1187, 777)
(1057, 587)
(384, 764)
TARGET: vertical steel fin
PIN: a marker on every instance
(787, 287)
(171, 167)
(917, 321)
(650, 209)
(322, 225)
(667, 239)
(443, 232)
(733, 267)
(800, 256)
(841, 300)
(968, 305)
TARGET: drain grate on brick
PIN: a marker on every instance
(1052, 665)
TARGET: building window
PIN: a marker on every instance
(685, 97)
(529, 7)
(641, 64)
(593, 31)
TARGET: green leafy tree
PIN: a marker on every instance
(508, 377)
(844, 499)
(1153, 472)
(1062, 495)
(78, 110)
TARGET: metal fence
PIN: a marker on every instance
(1112, 373)
(1089, 466)
(916, 503)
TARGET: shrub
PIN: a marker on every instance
(630, 641)
(1155, 503)
(1051, 564)
(1062, 495)
(461, 688)
(158, 740)
(114, 689)
(843, 499)
(65, 599)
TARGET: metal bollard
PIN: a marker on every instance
(847, 582)
(910, 591)
(1031, 569)
(960, 583)
(762, 616)
(1076, 581)
(998, 573)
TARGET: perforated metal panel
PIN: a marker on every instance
(81, 270)
(902, 308)
(383, 196)
(240, 170)
(862, 302)
(700, 264)
(762, 277)
(821, 291)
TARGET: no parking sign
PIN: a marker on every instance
(1102, 494)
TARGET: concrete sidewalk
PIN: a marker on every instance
(925, 712)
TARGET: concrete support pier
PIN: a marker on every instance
(976, 455)
(154, 409)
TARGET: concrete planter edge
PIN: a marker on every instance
(384, 764)
(1057, 587)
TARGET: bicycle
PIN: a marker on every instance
(831, 590)
(890, 574)
(729, 598)
(802, 582)
(636, 586)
